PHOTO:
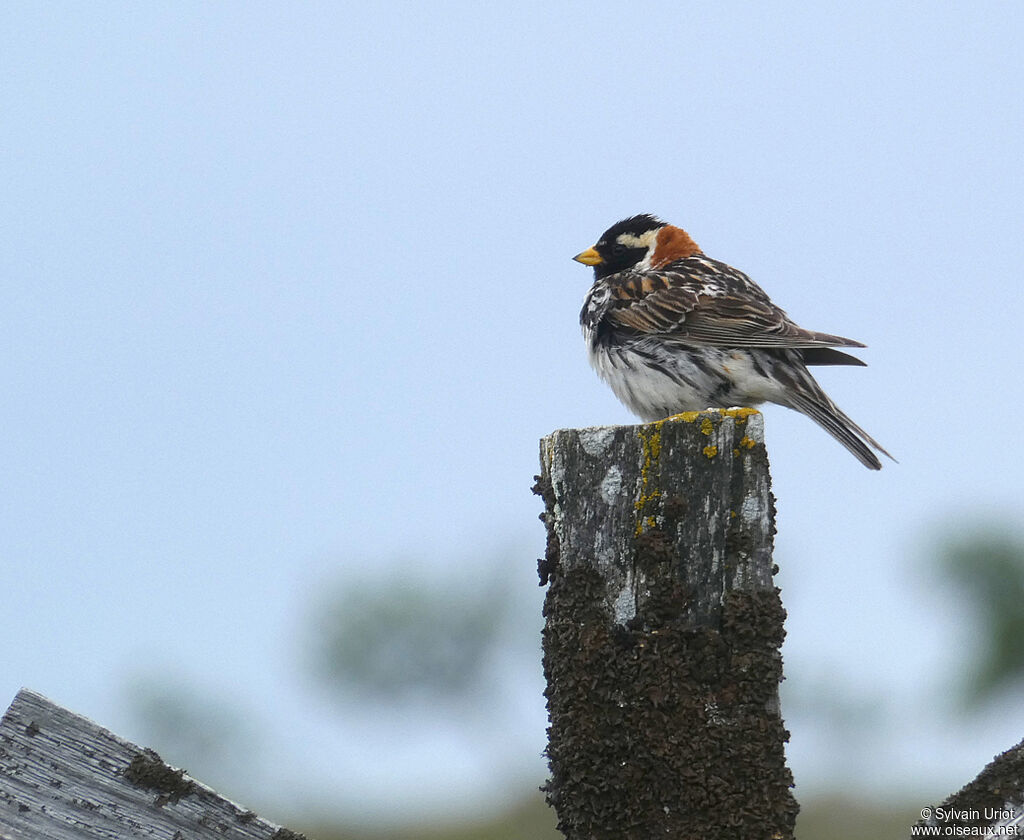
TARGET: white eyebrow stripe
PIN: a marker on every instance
(631, 240)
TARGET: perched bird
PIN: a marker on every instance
(671, 330)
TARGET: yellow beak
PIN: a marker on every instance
(589, 257)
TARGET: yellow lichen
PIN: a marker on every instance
(650, 441)
(685, 416)
(740, 414)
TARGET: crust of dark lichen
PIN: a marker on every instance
(1001, 781)
(147, 770)
(659, 726)
(548, 564)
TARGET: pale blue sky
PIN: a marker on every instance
(287, 290)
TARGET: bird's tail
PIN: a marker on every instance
(816, 405)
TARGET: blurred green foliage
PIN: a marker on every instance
(842, 818)
(401, 639)
(985, 568)
(531, 819)
(819, 819)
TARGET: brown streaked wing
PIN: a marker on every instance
(677, 305)
(652, 302)
(748, 322)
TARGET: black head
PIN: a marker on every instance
(623, 245)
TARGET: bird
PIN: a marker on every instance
(671, 330)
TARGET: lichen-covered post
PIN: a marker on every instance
(662, 634)
(990, 806)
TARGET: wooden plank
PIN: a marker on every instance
(64, 777)
(663, 632)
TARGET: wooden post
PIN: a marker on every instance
(663, 629)
(62, 777)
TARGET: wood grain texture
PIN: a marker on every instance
(662, 634)
(64, 777)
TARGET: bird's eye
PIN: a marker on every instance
(618, 249)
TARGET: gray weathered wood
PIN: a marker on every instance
(663, 629)
(64, 777)
(990, 806)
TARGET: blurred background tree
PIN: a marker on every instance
(404, 639)
(447, 649)
(983, 567)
